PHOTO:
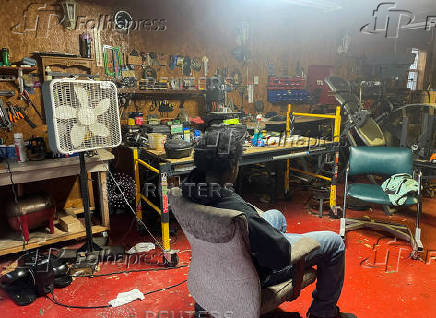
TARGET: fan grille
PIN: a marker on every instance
(82, 98)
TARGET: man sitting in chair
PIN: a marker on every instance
(216, 159)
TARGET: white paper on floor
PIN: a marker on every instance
(141, 247)
(127, 297)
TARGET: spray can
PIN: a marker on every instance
(5, 56)
(20, 149)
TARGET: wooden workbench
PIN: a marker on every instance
(164, 168)
(291, 145)
(33, 171)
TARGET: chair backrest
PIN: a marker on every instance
(380, 161)
(222, 277)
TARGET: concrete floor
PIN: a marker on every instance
(381, 280)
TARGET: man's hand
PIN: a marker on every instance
(302, 247)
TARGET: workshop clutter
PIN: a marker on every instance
(177, 148)
(156, 141)
(285, 82)
(32, 149)
(36, 275)
(287, 89)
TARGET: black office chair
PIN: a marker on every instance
(382, 161)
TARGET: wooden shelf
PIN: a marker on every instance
(12, 243)
(78, 210)
(167, 93)
(14, 69)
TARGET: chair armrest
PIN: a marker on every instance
(299, 251)
(303, 247)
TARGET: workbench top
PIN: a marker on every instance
(31, 171)
(301, 142)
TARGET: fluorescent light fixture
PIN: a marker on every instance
(324, 5)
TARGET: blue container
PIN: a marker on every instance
(11, 152)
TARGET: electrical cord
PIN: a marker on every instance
(52, 299)
(134, 212)
(132, 209)
(134, 271)
(16, 202)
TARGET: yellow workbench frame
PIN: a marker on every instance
(164, 213)
(164, 197)
(336, 138)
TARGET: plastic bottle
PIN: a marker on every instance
(20, 149)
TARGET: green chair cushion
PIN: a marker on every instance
(385, 161)
(374, 194)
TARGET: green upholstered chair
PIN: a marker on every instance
(381, 161)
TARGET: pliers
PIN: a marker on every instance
(14, 113)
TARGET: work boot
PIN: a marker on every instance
(338, 315)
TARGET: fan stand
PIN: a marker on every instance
(90, 246)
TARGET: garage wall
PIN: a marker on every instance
(280, 34)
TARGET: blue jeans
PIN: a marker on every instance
(329, 259)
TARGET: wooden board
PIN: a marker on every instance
(53, 168)
(75, 211)
(12, 243)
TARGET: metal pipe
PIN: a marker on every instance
(149, 167)
(311, 174)
(292, 155)
(143, 197)
(314, 115)
(85, 199)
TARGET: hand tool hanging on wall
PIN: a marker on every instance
(12, 115)
(4, 120)
(165, 107)
(172, 62)
(17, 114)
(186, 66)
(97, 48)
(205, 61)
(7, 93)
(25, 116)
(25, 96)
(116, 60)
(196, 64)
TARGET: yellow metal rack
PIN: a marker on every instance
(336, 138)
(163, 189)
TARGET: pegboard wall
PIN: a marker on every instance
(191, 28)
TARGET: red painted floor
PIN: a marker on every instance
(381, 280)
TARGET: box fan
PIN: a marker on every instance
(82, 115)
